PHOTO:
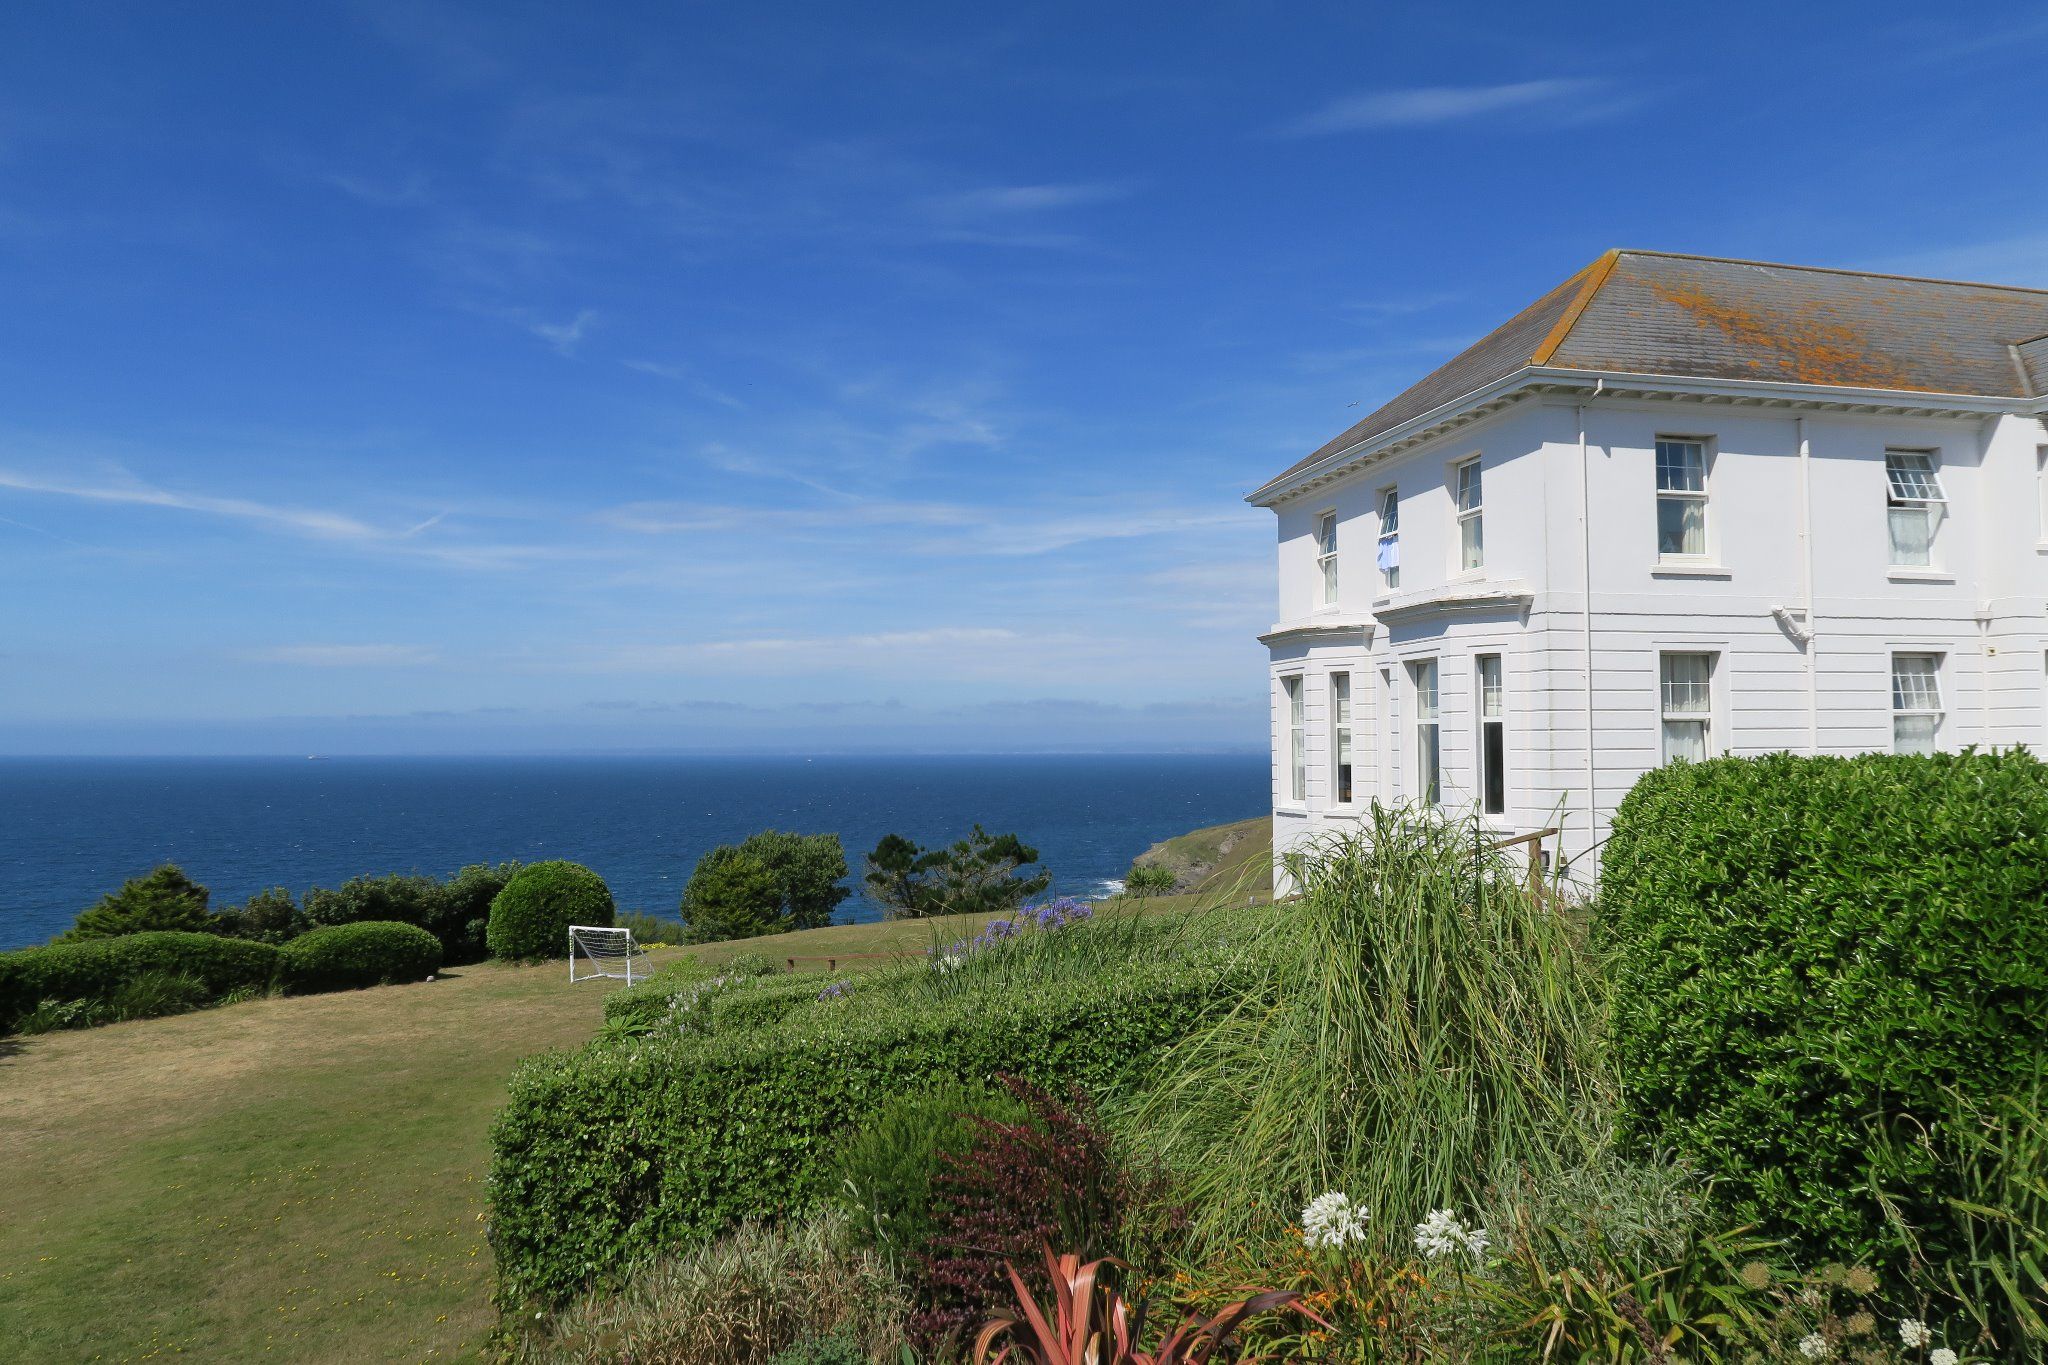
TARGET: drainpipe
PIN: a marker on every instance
(1812, 626)
(1586, 587)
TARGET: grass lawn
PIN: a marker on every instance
(299, 1179)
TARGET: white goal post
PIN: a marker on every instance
(604, 952)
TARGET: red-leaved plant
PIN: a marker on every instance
(1054, 1179)
(1090, 1323)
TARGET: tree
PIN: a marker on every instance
(772, 882)
(267, 917)
(976, 875)
(165, 899)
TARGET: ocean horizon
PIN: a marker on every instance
(72, 829)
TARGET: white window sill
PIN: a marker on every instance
(1908, 575)
(1351, 812)
(1680, 568)
(1299, 812)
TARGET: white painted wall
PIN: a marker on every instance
(1983, 605)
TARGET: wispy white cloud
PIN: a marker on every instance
(689, 379)
(345, 656)
(1557, 100)
(1000, 200)
(565, 337)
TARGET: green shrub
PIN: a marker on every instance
(1810, 946)
(530, 918)
(344, 957)
(462, 912)
(1149, 879)
(882, 1176)
(166, 899)
(606, 1155)
(772, 882)
(98, 970)
(270, 916)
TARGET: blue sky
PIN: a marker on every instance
(397, 377)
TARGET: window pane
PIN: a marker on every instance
(1489, 686)
(1468, 486)
(1911, 477)
(1916, 682)
(1685, 739)
(1687, 684)
(1340, 697)
(1493, 759)
(1425, 689)
(1326, 533)
(1329, 578)
(1426, 762)
(1681, 526)
(1912, 534)
(1471, 542)
(1390, 513)
(1681, 467)
(1914, 734)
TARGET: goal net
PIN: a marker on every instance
(595, 952)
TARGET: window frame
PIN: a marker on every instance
(1936, 660)
(1326, 558)
(1934, 509)
(1429, 735)
(1343, 739)
(1469, 523)
(1293, 696)
(1490, 725)
(1390, 511)
(1667, 715)
(1702, 497)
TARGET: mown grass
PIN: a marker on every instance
(294, 1179)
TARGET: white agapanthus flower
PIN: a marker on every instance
(1941, 1355)
(1332, 1220)
(1914, 1332)
(1444, 1233)
(1814, 1346)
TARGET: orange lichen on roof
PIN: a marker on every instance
(1808, 349)
(1593, 277)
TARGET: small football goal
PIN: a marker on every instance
(596, 952)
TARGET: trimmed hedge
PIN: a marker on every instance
(1809, 948)
(94, 969)
(605, 1155)
(371, 952)
(530, 918)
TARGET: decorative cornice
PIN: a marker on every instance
(1587, 384)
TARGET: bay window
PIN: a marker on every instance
(1428, 751)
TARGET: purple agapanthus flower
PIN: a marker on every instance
(838, 990)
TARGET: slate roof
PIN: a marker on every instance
(1700, 317)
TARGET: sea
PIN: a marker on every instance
(73, 829)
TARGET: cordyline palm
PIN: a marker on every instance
(1091, 1325)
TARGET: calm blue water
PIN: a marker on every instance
(73, 829)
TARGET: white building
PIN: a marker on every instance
(1678, 506)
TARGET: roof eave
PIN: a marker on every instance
(1621, 383)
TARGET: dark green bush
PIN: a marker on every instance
(605, 1155)
(166, 899)
(270, 916)
(98, 970)
(462, 912)
(530, 918)
(883, 1175)
(1813, 949)
(340, 957)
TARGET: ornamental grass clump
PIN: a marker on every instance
(1431, 1029)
